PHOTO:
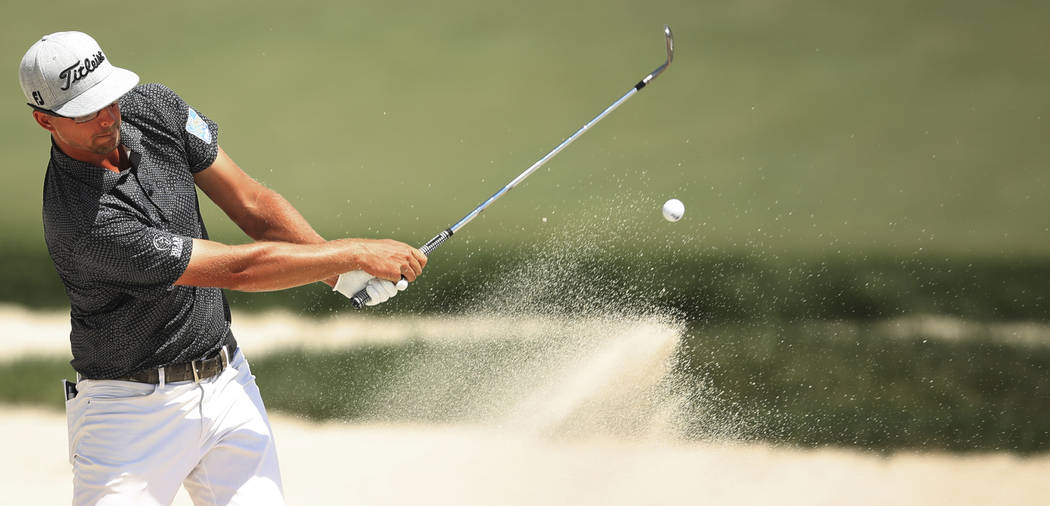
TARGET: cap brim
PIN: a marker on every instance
(105, 92)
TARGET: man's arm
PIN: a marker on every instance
(288, 251)
(260, 212)
(265, 266)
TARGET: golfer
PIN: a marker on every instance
(164, 395)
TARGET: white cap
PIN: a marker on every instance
(67, 74)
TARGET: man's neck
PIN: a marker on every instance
(113, 161)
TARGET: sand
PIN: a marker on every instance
(407, 465)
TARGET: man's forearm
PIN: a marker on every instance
(259, 211)
(266, 265)
(273, 218)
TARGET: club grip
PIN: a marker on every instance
(438, 240)
(361, 298)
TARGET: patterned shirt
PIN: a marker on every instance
(120, 241)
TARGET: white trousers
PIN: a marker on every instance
(136, 443)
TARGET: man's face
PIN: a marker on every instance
(99, 135)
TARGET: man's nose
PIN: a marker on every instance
(109, 115)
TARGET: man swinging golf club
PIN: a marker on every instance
(164, 395)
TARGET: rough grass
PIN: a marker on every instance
(808, 384)
(702, 288)
(853, 385)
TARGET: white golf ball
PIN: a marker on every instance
(673, 210)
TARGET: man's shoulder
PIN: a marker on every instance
(152, 101)
(162, 115)
(150, 92)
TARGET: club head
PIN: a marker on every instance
(670, 43)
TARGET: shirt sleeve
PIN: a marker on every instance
(134, 258)
(199, 135)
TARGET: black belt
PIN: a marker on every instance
(195, 371)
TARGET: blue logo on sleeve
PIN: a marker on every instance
(196, 126)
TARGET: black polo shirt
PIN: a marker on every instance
(119, 241)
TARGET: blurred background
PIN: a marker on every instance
(864, 260)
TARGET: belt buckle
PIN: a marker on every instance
(193, 367)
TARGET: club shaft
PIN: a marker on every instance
(361, 297)
(539, 163)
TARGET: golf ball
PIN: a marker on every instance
(673, 210)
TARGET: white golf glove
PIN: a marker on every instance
(379, 290)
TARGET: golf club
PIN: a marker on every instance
(360, 298)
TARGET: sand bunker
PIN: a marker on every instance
(408, 465)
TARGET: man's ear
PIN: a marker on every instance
(44, 121)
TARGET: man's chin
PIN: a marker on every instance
(105, 145)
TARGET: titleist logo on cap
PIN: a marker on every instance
(80, 70)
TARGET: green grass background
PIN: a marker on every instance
(784, 126)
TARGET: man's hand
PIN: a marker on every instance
(388, 259)
(382, 261)
(379, 290)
